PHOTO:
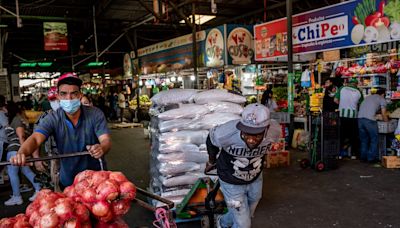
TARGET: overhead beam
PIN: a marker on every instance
(180, 14)
(102, 7)
(150, 10)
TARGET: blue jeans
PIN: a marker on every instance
(368, 130)
(14, 178)
(242, 201)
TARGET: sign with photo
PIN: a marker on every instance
(239, 45)
(55, 36)
(215, 47)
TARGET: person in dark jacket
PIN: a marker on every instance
(329, 104)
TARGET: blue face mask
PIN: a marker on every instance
(70, 106)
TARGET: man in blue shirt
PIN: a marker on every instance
(75, 128)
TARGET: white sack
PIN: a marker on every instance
(178, 147)
(225, 107)
(173, 168)
(194, 137)
(191, 111)
(185, 179)
(173, 125)
(198, 157)
(217, 95)
(173, 96)
(212, 120)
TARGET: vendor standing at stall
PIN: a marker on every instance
(241, 145)
(75, 127)
(349, 98)
(368, 126)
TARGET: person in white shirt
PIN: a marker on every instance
(121, 104)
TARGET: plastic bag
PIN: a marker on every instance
(191, 111)
(177, 167)
(194, 137)
(173, 96)
(212, 120)
(198, 157)
(217, 95)
(185, 179)
(178, 147)
(225, 107)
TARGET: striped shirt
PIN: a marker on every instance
(12, 137)
(349, 97)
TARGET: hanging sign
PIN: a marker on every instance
(215, 48)
(55, 36)
(240, 46)
(127, 66)
(348, 24)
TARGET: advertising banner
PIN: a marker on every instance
(55, 36)
(240, 44)
(348, 24)
(170, 55)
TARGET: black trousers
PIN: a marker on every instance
(349, 135)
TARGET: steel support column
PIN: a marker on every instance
(194, 38)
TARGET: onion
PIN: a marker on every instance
(31, 208)
(120, 207)
(63, 209)
(21, 221)
(89, 195)
(81, 187)
(118, 176)
(87, 174)
(43, 193)
(119, 223)
(82, 212)
(128, 190)
(101, 209)
(107, 190)
(70, 192)
(34, 218)
(98, 178)
(86, 225)
(107, 218)
(7, 222)
(72, 223)
(46, 208)
(49, 220)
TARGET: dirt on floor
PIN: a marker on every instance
(354, 195)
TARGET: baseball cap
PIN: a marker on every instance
(70, 79)
(52, 93)
(255, 119)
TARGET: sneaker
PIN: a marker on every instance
(33, 197)
(14, 200)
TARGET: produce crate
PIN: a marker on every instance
(281, 117)
(391, 162)
(387, 127)
(278, 159)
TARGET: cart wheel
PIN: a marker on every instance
(320, 166)
(304, 163)
(205, 222)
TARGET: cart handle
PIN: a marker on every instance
(169, 203)
(58, 156)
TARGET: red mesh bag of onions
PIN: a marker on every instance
(107, 194)
(52, 209)
(19, 221)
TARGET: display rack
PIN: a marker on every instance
(377, 80)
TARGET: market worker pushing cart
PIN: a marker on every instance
(75, 128)
(241, 145)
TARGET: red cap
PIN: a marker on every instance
(70, 79)
(52, 93)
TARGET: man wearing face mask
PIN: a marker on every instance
(75, 128)
(241, 145)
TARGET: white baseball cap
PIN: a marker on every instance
(255, 119)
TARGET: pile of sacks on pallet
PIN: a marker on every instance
(181, 120)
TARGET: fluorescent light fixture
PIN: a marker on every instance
(199, 19)
(95, 74)
(173, 79)
(107, 75)
(180, 79)
(192, 77)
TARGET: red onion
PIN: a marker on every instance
(120, 207)
(87, 174)
(98, 178)
(101, 209)
(89, 195)
(49, 220)
(118, 176)
(82, 212)
(128, 190)
(108, 190)
(63, 209)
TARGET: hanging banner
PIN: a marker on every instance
(239, 45)
(348, 24)
(55, 36)
(290, 93)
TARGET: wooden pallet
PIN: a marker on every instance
(126, 125)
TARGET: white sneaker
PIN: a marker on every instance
(218, 221)
(33, 197)
(14, 200)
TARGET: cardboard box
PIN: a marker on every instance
(391, 162)
(278, 159)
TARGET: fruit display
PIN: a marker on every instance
(52, 209)
(106, 194)
(144, 100)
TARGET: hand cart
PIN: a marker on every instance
(204, 201)
(164, 218)
(324, 141)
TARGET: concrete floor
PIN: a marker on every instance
(355, 195)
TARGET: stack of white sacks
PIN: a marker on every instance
(179, 153)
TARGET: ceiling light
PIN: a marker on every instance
(200, 19)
